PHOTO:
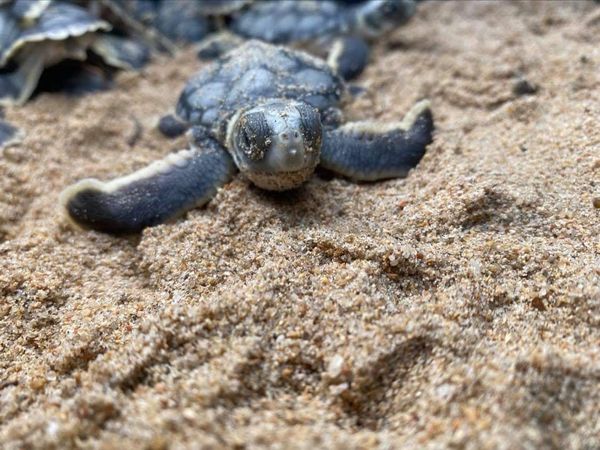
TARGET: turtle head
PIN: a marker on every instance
(276, 144)
(379, 16)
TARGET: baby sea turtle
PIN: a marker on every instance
(270, 111)
(341, 28)
(164, 24)
(35, 34)
(158, 23)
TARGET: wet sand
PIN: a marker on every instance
(459, 307)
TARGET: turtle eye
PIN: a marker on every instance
(310, 121)
(245, 140)
(255, 135)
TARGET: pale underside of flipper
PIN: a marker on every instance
(156, 194)
(370, 151)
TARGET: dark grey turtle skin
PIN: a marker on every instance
(269, 111)
(340, 28)
(36, 34)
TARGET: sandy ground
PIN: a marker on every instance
(459, 307)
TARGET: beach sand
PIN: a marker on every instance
(456, 308)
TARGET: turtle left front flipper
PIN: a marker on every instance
(155, 194)
(370, 151)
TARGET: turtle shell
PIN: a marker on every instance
(252, 74)
(57, 22)
(162, 22)
(292, 21)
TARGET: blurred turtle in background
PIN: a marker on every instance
(166, 24)
(35, 34)
(340, 27)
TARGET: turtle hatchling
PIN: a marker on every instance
(338, 28)
(269, 111)
(162, 24)
(35, 34)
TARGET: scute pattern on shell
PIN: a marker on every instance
(251, 74)
(291, 20)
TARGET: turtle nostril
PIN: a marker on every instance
(296, 134)
(284, 136)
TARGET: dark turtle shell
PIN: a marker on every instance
(292, 21)
(173, 20)
(56, 22)
(251, 74)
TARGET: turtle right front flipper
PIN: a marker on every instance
(152, 195)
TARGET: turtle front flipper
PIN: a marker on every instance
(121, 52)
(153, 195)
(368, 151)
(16, 87)
(348, 56)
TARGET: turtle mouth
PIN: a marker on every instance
(295, 159)
(286, 164)
(287, 152)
